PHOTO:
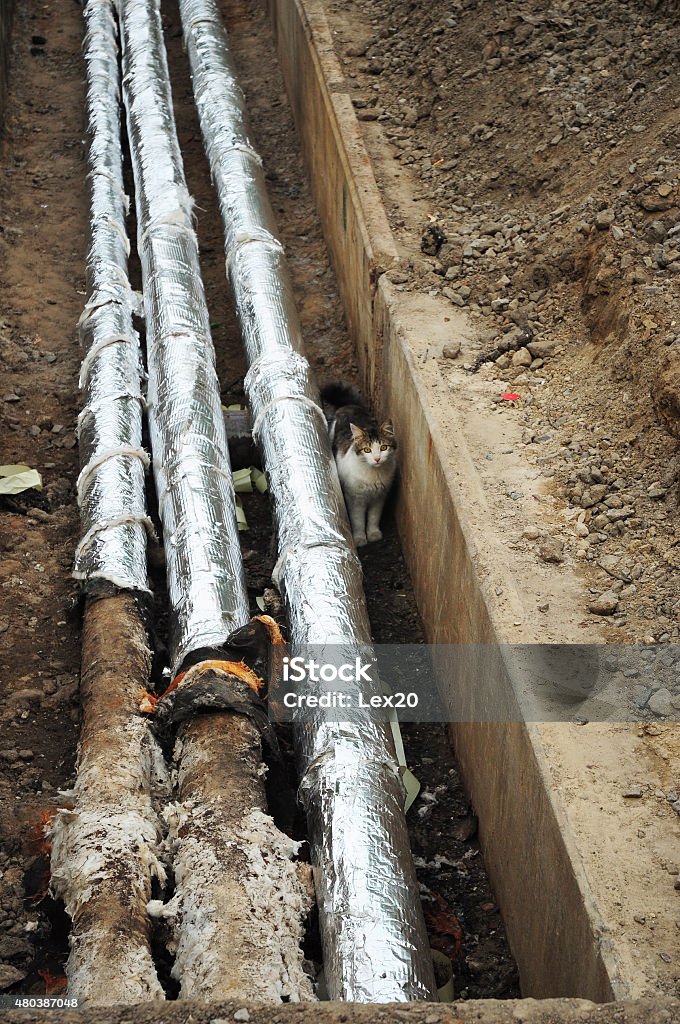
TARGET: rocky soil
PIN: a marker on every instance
(542, 143)
(492, 1011)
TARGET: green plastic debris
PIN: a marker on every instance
(245, 479)
(243, 483)
(444, 972)
(241, 520)
(411, 783)
(15, 479)
(259, 479)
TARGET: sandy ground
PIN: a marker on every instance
(528, 1011)
(529, 164)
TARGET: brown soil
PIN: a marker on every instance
(43, 238)
(528, 158)
(547, 1011)
(42, 243)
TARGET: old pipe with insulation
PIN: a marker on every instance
(239, 904)
(105, 847)
(373, 932)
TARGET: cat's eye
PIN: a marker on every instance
(367, 450)
(384, 447)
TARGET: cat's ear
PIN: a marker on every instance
(357, 432)
(387, 428)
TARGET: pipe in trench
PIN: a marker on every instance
(110, 487)
(105, 850)
(223, 891)
(240, 902)
(373, 932)
(206, 583)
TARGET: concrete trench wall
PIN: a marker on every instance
(561, 941)
(358, 235)
(551, 918)
(6, 17)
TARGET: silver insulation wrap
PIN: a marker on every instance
(191, 467)
(373, 932)
(111, 482)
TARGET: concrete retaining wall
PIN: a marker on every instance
(563, 927)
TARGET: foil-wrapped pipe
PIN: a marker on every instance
(105, 846)
(206, 583)
(225, 895)
(111, 483)
(373, 932)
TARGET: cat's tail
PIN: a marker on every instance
(337, 395)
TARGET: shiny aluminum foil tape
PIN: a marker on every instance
(111, 483)
(191, 467)
(373, 931)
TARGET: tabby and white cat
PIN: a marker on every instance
(366, 456)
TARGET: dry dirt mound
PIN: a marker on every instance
(544, 141)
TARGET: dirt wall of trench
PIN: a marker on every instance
(6, 16)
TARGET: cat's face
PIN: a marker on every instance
(376, 449)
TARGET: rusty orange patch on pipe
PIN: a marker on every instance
(272, 627)
(231, 668)
(39, 842)
(149, 701)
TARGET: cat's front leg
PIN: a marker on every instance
(357, 517)
(373, 531)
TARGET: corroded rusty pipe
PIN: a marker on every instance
(105, 852)
(215, 901)
(240, 901)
